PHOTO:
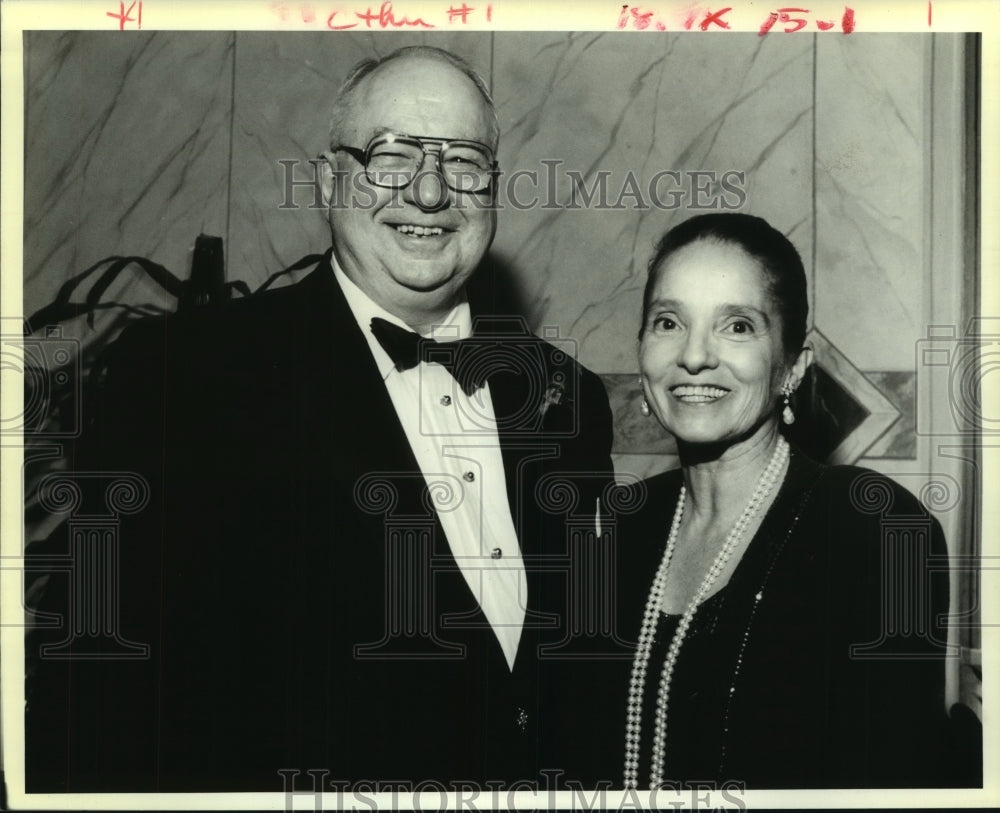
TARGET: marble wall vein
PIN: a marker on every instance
(871, 151)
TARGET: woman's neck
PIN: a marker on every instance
(720, 480)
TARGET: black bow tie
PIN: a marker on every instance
(407, 349)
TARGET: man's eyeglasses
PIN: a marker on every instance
(392, 160)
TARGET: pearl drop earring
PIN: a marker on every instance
(644, 404)
(786, 414)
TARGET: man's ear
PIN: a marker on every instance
(327, 167)
(799, 366)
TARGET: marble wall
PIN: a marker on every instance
(138, 142)
(870, 196)
(126, 152)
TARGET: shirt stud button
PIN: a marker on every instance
(496, 553)
(469, 476)
(445, 400)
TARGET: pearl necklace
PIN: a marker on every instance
(637, 685)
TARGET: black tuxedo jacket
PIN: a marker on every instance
(288, 576)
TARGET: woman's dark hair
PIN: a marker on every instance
(775, 253)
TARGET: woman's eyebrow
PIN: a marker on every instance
(664, 303)
(735, 308)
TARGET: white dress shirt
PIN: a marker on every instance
(455, 442)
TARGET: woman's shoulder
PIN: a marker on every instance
(865, 492)
(859, 510)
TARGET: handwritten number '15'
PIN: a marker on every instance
(793, 24)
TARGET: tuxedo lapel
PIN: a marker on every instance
(362, 439)
(344, 388)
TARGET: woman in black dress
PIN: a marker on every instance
(790, 617)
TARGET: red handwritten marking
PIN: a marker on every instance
(929, 9)
(332, 27)
(124, 16)
(489, 14)
(785, 17)
(847, 23)
(715, 18)
(642, 18)
(661, 27)
(689, 21)
(793, 24)
(386, 18)
(462, 12)
(308, 14)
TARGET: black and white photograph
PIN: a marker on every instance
(432, 405)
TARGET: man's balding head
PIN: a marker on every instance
(350, 94)
(410, 249)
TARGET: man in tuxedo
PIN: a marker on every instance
(362, 503)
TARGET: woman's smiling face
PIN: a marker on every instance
(711, 352)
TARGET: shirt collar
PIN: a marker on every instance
(457, 324)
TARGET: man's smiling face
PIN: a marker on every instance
(413, 250)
